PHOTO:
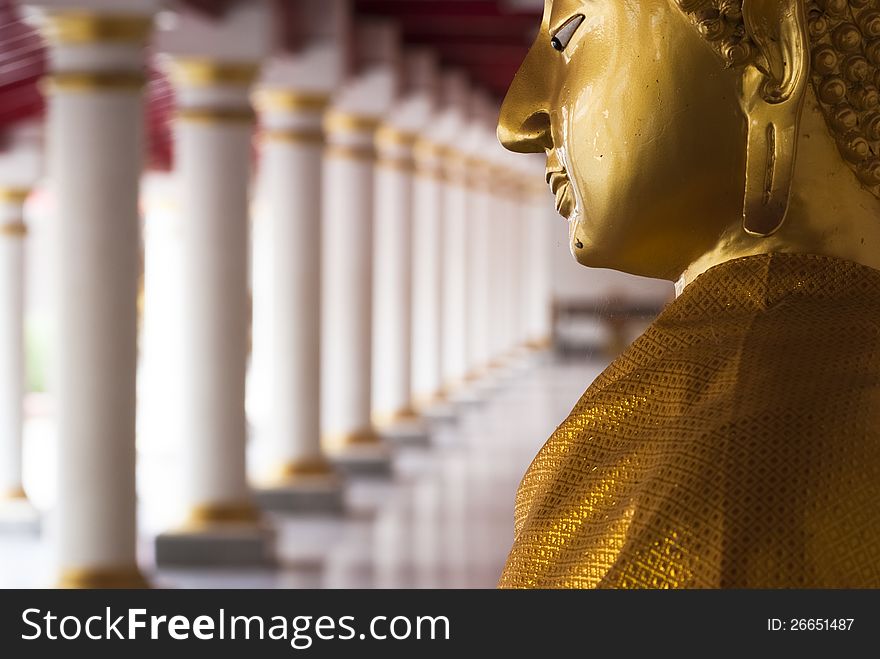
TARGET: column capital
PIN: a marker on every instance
(338, 121)
(76, 27)
(283, 100)
(193, 71)
(212, 90)
(94, 47)
(395, 146)
(426, 154)
(217, 50)
(291, 115)
(350, 135)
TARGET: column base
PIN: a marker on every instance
(305, 493)
(220, 545)
(407, 432)
(441, 410)
(371, 459)
(488, 383)
(18, 515)
(539, 345)
(468, 396)
(100, 578)
(218, 535)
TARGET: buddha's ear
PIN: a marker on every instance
(774, 88)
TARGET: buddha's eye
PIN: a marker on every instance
(563, 35)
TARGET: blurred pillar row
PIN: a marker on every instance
(408, 261)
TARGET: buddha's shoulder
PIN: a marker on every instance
(795, 346)
(781, 488)
(751, 439)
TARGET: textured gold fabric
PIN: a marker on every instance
(735, 444)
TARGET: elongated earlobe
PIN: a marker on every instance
(770, 160)
(773, 96)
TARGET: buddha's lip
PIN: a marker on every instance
(560, 186)
(556, 178)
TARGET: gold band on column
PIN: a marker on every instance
(75, 28)
(342, 122)
(14, 230)
(271, 99)
(505, 181)
(94, 578)
(293, 135)
(406, 165)
(300, 469)
(14, 195)
(454, 165)
(426, 150)
(385, 419)
(425, 171)
(395, 148)
(364, 152)
(216, 115)
(200, 72)
(478, 173)
(498, 363)
(425, 402)
(451, 155)
(540, 344)
(208, 514)
(13, 494)
(88, 81)
(363, 437)
(391, 136)
(427, 160)
(476, 374)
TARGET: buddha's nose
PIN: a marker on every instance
(524, 122)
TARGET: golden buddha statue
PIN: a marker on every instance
(732, 146)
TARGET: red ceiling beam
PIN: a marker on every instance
(481, 36)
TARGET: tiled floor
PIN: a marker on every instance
(444, 520)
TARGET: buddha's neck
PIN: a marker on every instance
(829, 213)
(834, 229)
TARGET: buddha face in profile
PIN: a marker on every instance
(683, 133)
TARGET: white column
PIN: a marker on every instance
(479, 248)
(538, 267)
(480, 141)
(292, 146)
(95, 119)
(455, 270)
(347, 243)
(505, 263)
(347, 271)
(392, 299)
(426, 253)
(447, 133)
(515, 264)
(296, 87)
(397, 293)
(213, 131)
(522, 291)
(12, 236)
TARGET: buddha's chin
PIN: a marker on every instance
(582, 245)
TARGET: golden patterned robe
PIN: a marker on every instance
(735, 444)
